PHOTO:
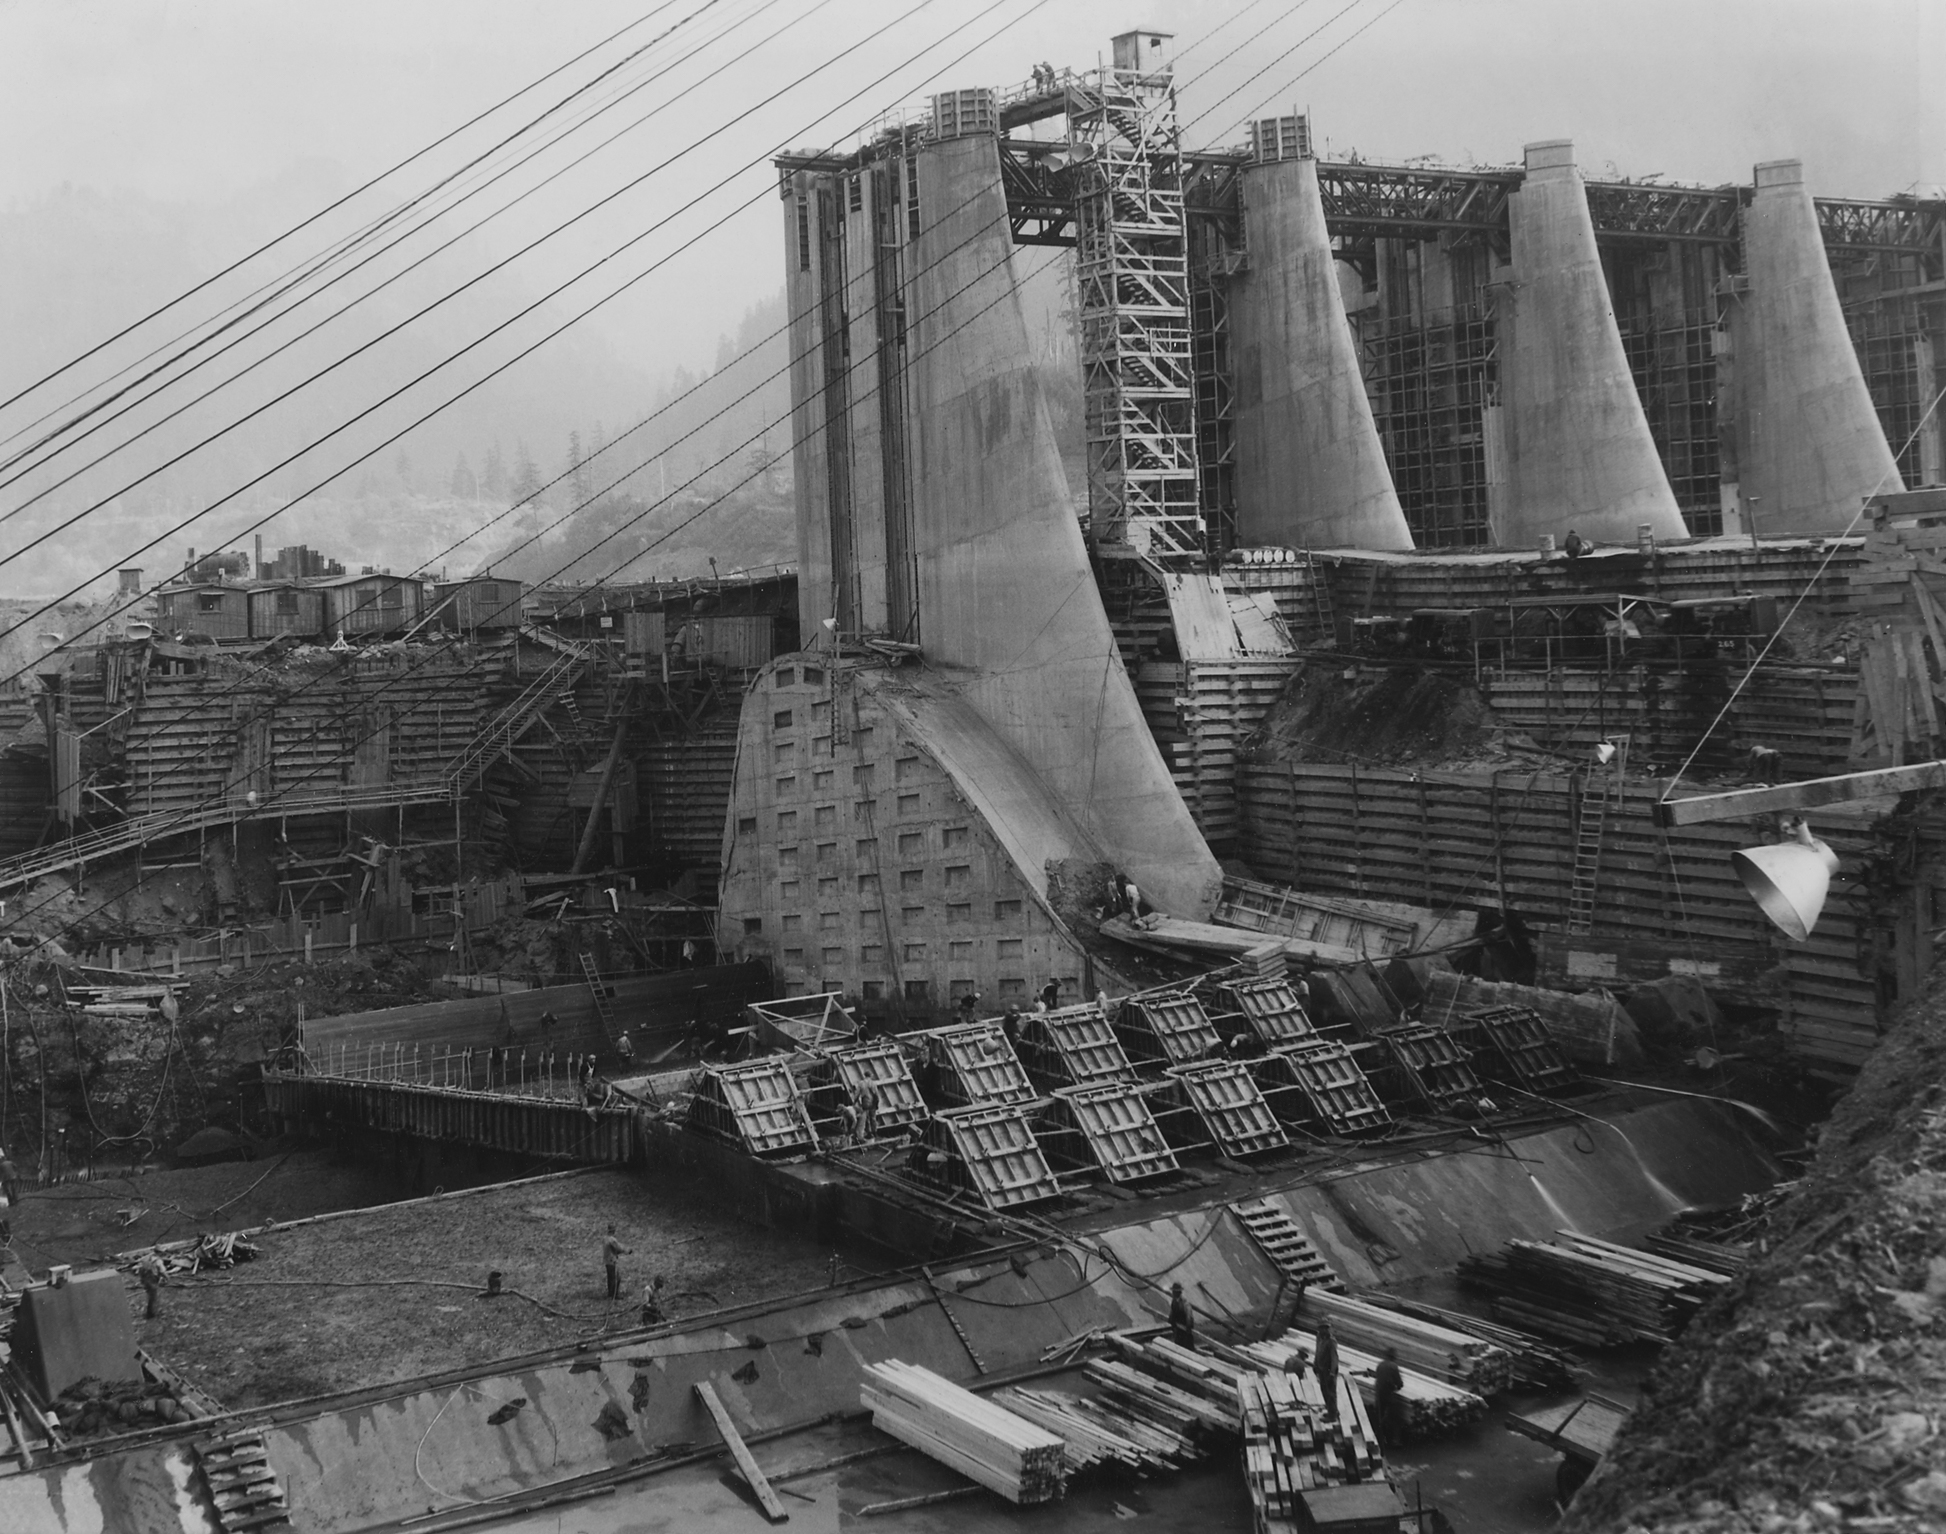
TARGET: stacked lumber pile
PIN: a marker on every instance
(1431, 1407)
(1427, 1347)
(1590, 1291)
(1536, 1364)
(1726, 1257)
(1097, 1433)
(1291, 1445)
(987, 1443)
(1175, 1388)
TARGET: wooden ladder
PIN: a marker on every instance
(1321, 599)
(1283, 1241)
(1595, 796)
(247, 1492)
(599, 989)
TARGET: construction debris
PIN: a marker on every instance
(1006, 1453)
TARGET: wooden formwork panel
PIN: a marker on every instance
(1170, 1026)
(882, 1067)
(1002, 1160)
(1332, 1083)
(755, 1105)
(1231, 1105)
(1272, 1010)
(1080, 1046)
(1120, 1131)
(977, 1064)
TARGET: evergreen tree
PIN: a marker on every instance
(527, 478)
(464, 486)
(493, 480)
(580, 480)
(402, 466)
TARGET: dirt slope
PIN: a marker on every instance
(1813, 1395)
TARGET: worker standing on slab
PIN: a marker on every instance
(149, 1271)
(1389, 1389)
(1325, 1361)
(1181, 1326)
(612, 1252)
(625, 1047)
(652, 1301)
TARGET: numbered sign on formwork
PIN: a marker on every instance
(1172, 1027)
(1273, 1012)
(977, 1064)
(1121, 1135)
(1074, 1046)
(995, 1151)
(1330, 1083)
(1517, 1040)
(755, 1105)
(1438, 1066)
(1227, 1099)
(882, 1068)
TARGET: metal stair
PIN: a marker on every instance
(247, 1492)
(1596, 795)
(601, 991)
(1283, 1241)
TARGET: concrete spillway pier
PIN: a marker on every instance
(1809, 445)
(1578, 452)
(1310, 468)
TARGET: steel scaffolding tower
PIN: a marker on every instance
(1131, 264)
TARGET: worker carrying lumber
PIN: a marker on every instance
(1325, 1361)
(149, 1272)
(1181, 1326)
(652, 1301)
(1389, 1389)
(612, 1252)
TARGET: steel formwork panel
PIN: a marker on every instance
(1172, 1027)
(1273, 1012)
(1082, 1046)
(1439, 1067)
(755, 1105)
(882, 1067)
(1333, 1084)
(1003, 1161)
(1120, 1131)
(1520, 1038)
(980, 1065)
(1231, 1105)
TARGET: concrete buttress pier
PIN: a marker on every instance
(932, 504)
(1810, 449)
(1310, 469)
(1577, 450)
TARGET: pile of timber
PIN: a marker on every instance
(1291, 1444)
(1098, 1433)
(1726, 1257)
(1536, 1363)
(987, 1443)
(1164, 1385)
(1431, 1407)
(1590, 1291)
(1427, 1347)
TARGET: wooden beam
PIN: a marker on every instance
(740, 1451)
(1807, 795)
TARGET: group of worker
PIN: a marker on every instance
(1388, 1383)
(612, 1253)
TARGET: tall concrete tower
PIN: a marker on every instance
(1576, 448)
(1310, 469)
(1809, 447)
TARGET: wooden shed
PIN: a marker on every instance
(286, 607)
(479, 602)
(204, 607)
(371, 604)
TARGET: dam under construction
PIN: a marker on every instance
(1310, 895)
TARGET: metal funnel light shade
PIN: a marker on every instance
(1789, 880)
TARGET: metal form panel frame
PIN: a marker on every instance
(1272, 1010)
(1333, 1084)
(1231, 1105)
(820, 1021)
(978, 1065)
(1079, 1045)
(1438, 1066)
(1172, 1027)
(882, 1066)
(1520, 1039)
(1121, 1133)
(754, 1104)
(997, 1151)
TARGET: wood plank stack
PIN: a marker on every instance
(1590, 1291)
(1427, 1347)
(1726, 1257)
(1097, 1432)
(1006, 1453)
(1536, 1364)
(1291, 1445)
(1431, 1407)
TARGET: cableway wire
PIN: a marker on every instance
(471, 282)
(1343, 42)
(390, 244)
(1274, 62)
(264, 810)
(332, 207)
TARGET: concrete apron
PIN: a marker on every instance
(434, 1449)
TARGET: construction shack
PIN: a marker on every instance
(480, 602)
(372, 603)
(213, 608)
(285, 607)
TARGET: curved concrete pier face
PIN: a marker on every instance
(1006, 595)
(1810, 447)
(1310, 470)
(1578, 451)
